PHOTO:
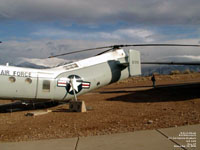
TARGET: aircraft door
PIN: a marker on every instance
(45, 86)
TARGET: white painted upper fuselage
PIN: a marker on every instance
(54, 72)
(52, 84)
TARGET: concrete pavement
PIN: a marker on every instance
(180, 138)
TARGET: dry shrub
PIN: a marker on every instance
(187, 71)
(174, 72)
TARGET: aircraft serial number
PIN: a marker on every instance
(15, 73)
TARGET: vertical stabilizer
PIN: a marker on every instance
(134, 63)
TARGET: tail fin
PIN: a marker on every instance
(134, 63)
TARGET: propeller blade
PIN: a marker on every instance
(134, 45)
(114, 47)
(172, 63)
(84, 50)
(104, 52)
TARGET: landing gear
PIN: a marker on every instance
(75, 105)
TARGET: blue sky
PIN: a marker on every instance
(36, 29)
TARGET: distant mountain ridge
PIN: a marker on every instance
(166, 69)
(31, 65)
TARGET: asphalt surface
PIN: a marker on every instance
(179, 138)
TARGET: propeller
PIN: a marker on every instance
(114, 47)
(84, 50)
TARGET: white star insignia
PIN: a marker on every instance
(75, 85)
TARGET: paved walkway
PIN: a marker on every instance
(180, 138)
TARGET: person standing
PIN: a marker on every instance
(153, 79)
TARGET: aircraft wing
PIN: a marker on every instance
(172, 63)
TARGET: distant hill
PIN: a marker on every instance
(166, 69)
(31, 65)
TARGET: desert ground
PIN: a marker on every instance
(125, 106)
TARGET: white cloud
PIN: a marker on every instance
(13, 51)
(48, 62)
(141, 34)
(35, 50)
(184, 58)
(130, 34)
(160, 53)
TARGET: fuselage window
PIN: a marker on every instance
(28, 80)
(12, 79)
(46, 86)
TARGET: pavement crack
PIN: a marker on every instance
(76, 147)
(170, 139)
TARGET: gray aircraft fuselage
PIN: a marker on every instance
(54, 84)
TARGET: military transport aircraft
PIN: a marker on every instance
(65, 82)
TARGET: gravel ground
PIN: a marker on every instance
(125, 106)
